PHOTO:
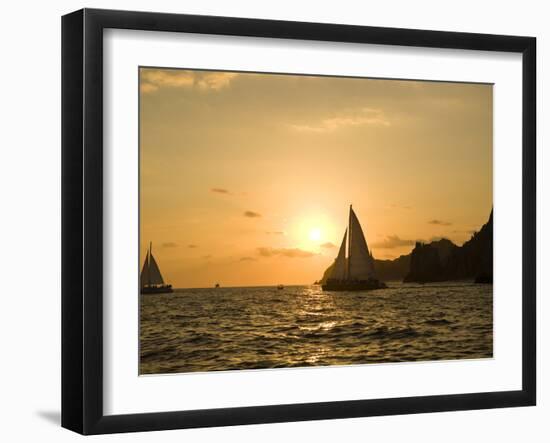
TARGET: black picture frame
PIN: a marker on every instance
(82, 219)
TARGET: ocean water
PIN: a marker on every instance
(263, 327)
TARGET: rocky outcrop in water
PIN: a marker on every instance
(474, 260)
(392, 270)
(428, 261)
(439, 261)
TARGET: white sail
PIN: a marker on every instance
(361, 263)
(339, 268)
(144, 277)
(154, 272)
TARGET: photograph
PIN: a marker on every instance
(292, 220)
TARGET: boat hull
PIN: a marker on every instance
(347, 286)
(157, 289)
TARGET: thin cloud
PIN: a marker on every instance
(359, 117)
(439, 222)
(169, 245)
(398, 206)
(275, 232)
(285, 252)
(247, 259)
(328, 245)
(215, 80)
(252, 214)
(147, 88)
(220, 191)
(192, 246)
(393, 241)
(154, 79)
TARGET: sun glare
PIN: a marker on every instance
(315, 234)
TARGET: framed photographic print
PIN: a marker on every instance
(269, 221)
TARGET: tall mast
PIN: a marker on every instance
(149, 264)
(350, 233)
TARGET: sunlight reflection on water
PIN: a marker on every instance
(251, 328)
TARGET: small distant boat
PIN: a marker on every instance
(280, 287)
(356, 271)
(151, 281)
(217, 285)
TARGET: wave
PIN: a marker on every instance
(256, 328)
(438, 322)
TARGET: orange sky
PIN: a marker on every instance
(246, 179)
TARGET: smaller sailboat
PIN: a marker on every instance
(151, 281)
(356, 271)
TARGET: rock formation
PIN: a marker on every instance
(439, 262)
(392, 270)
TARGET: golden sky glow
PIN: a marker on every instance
(246, 179)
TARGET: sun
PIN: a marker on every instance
(315, 234)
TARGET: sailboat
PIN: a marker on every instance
(356, 271)
(151, 281)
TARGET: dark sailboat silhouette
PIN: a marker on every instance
(356, 272)
(151, 281)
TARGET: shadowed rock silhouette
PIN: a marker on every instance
(473, 260)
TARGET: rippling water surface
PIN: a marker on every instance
(252, 328)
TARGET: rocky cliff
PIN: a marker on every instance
(428, 261)
(392, 270)
(473, 260)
